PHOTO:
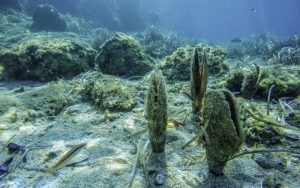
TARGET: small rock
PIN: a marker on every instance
(266, 161)
(159, 179)
(13, 148)
(171, 138)
(19, 90)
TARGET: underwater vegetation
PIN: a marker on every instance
(159, 43)
(264, 45)
(102, 108)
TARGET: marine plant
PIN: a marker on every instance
(156, 111)
(159, 43)
(286, 56)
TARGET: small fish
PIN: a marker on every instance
(175, 122)
(207, 141)
(236, 40)
(253, 10)
(66, 158)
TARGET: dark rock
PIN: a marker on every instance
(12, 148)
(271, 181)
(267, 161)
(47, 18)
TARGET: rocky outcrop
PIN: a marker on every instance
(122, 55)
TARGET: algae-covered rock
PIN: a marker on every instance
(47, 18)
(47, 57)
(287, 83)
(257, 132)
(48, 100)
(123, 55)
(224, 129)
(177, 65)
(107, 92)
(234, 80)
(113, 96)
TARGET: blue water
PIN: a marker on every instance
(213, 20)
(219, 20)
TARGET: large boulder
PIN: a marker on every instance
(123, 55)
(177, 65)
(287, 83)
(47, 57)
(47, 18)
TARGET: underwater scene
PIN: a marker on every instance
(150, 93)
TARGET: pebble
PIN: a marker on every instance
(159, 179)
